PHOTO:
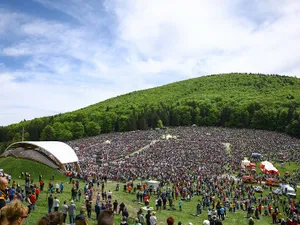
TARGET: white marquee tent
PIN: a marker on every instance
(268, 167)
(245, 163)
(61, 152)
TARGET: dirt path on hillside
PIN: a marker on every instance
(144, 148)
(227, 148)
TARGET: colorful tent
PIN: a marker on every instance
(267, 167)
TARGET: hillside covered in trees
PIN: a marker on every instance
(269, 102)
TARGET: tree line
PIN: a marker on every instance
(268, 102)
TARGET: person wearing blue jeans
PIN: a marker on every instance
(72, 212)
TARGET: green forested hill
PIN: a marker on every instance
(257, 101)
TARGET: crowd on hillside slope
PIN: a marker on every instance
(197, 151)
(110, 147)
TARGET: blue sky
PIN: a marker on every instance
(58, 56)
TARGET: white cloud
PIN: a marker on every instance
(212, 34)
(131, 45)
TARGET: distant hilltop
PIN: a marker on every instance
(268, 102)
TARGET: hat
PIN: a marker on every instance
(190, 223)
(206, 222)
(72, 201)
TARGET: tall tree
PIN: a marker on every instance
(48, 134)
(92, 129)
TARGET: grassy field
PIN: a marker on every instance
(15, 166)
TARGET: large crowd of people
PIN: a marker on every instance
(191, 161)
(196, 151)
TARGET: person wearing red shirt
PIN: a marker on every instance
(146, 200)
(33, 201)
(37, 192)
(259, 208)
(41, 185)
(270, 209)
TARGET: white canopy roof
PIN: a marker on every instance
(61, 151)
(269, 166)
(245, 163)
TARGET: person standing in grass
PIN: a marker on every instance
(115, 206)
(148, 215)
(37, 192)
(61, 186)
(97, 209)
(50, 203)
(56, 204)
(153, 219)
(64, 210)
(198, 208)
(209, 212)
(42, 185)
(180, 205)
(88, 206)
(12, 193)
(72, 212)
(79, 194)
(33, 200)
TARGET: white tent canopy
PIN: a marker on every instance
(268, 167)
(107, 142)
(245, 163)
(61, 151)
(154, 183)
(168, 137)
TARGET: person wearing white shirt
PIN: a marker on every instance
(153, 219)
(57, 187)
(109, 195)
(56, 204)
(64, 210)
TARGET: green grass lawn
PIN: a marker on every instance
(15, 166)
